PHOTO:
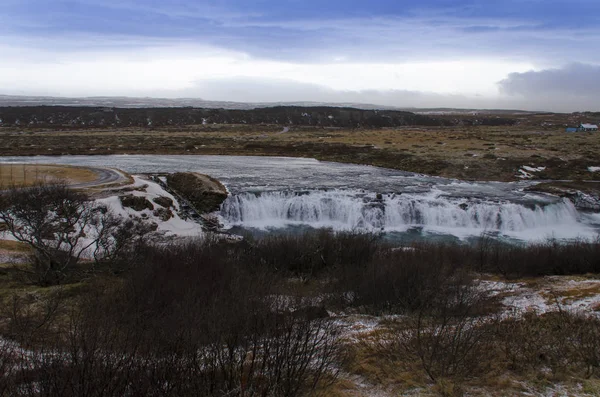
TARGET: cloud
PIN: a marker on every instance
(133, 69)
(137, 66)
(282, 90)
(575, 79)
(572, 87)
(384, 31)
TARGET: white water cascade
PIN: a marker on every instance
(344, 210)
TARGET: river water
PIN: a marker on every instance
(280, 193)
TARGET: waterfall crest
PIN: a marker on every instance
(342, 209)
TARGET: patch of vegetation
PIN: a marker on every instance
(164, 214)
(210, 330)
(233, 304)
(325, 116)
(137, 203)
(163, 201)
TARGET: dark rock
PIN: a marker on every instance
(583, 201)
(204, 193)
(163, 201)
(164, 214)
(136, 203)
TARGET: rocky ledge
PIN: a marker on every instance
(201, 191)
(584, 195)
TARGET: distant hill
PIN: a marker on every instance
(132, 102)
(136, 102)
(322, 116)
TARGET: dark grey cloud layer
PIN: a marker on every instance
(573, 87)
(575, 79)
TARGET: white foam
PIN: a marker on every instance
(433, 212)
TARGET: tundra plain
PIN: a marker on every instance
(470, 153)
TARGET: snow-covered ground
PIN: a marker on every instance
(570, 293)
(151, 190)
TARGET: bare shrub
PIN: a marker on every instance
(8, 361)
(186, 321)
(404, 280)
(215, 311)
(586, 342)
(308, 255)
(61, 225)
(31, 318)
(559, 341)
(447, 336)
(541, 259)
(51, 219)
(89, 356)
(117, 240)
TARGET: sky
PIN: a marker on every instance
(517, 54)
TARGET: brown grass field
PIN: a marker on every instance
(29, 174)
(465, 152)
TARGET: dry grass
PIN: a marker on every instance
(14, 246)
(570, 295)
(469, 152)
(339, 388)
(371, 368)
(391, 372)
(30, 174)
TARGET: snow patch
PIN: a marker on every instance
(151, 190)
(525, 172)
(533, 169)
(524, 175)
(552, 294)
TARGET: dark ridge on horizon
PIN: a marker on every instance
(77, 117)
(151, 102)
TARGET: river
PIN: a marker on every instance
(280, 193)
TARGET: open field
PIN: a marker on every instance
(468, 152)
(29, 174)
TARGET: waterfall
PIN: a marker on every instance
(342, 209)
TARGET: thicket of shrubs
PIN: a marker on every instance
(215, 318)
(190, 320)
(554, 346)
(540, 259)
